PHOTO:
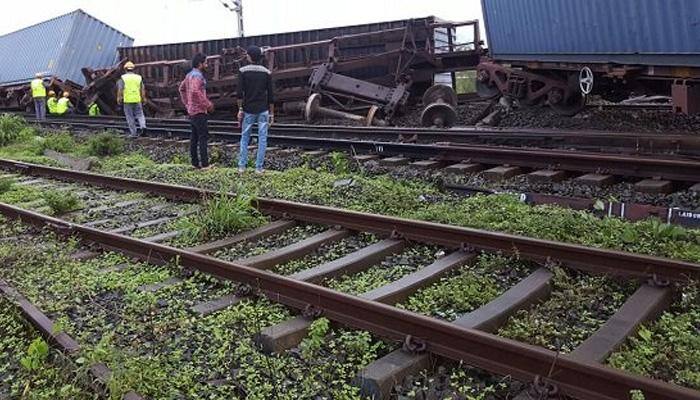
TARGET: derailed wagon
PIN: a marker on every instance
(556, 52)
(371, 70)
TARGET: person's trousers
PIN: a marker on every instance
(133, 112)
(249, 120)
(199, 140)
(40, 108)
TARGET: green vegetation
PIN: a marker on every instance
(222, 215)
(61, 142)
(61, 202)
(13, 129)
(105, 144)
(340, 163)
(577, 307)
(466, 82)
(5, 184)
(392, 268)
(157, 347)
(668, 349)
(468, 288)
(28, 368)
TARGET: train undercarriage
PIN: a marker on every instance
(565, 88)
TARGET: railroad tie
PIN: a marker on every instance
(378, 378)
(290, 333)
(270, 229)
(646, 304)
(295, 250)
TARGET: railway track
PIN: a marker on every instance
(652, 173)
(625, 143)
(114, 222)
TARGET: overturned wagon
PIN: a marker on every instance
(371, 70)
(558, 52)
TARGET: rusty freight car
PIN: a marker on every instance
(370, 69)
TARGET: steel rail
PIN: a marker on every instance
(623, 165)
(688, 145)
(498, 355)
(581, 257)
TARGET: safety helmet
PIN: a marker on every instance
(52, 93)
(66, 94)
(39, 75)
(129, 65)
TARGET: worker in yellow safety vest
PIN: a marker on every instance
(64, 105)
(38, 88)
(131, 93)
(94, 110)
(52, 102)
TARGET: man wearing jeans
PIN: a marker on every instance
(193, 94)
(131, 93)
(38, 88)
(255, 105)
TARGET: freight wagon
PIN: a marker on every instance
(557, 52)
(355, 67)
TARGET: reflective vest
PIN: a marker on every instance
(38, 89)
(52, 104)
(62, 106)
(94, 110)
(132, 88)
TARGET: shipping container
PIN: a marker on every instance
(60, 46)
(360, 46)
(643, 32)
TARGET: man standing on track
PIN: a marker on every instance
(131, 92)
(39, 95)
(255, 105)
(193, 93)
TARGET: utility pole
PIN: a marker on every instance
(235, 6)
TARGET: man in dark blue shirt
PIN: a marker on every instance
(255, 105)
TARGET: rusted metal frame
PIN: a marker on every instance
(586, 258)
(489, 352)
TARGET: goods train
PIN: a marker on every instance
(558, 52)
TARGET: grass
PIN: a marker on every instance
(577, 307)
(28, 368)
(222, 215)
(468, 288)
(105, 144)
(157, 347)
(668, 349)
(61, 202)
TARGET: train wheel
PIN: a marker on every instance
(570, 106)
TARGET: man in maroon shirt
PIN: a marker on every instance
(193, 93)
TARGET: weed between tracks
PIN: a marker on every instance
(578, 306)
(28, 369)
(668, 349)
(145, 323)
(157, 347)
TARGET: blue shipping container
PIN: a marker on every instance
(60, 46)
(646, 32)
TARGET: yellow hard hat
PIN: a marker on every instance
(129, 65)
(66, 94)
(52, 93)
(39, 75)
